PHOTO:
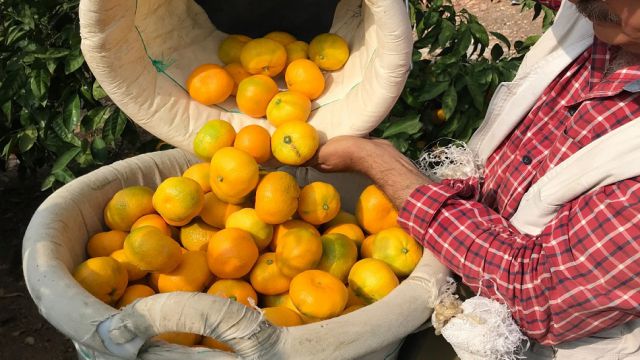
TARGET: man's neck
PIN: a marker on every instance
(623, 59)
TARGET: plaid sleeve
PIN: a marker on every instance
(581, 275)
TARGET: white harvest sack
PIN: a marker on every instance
(142, 52)
(55, 243)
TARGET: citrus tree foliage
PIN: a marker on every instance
(456, 69)
(53, 112)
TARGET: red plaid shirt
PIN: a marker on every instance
(581, 275)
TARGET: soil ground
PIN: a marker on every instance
(25, 334)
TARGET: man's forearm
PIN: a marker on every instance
(394, 173)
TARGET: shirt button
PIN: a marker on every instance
(527, 160)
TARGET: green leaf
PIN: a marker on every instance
(463, 43)
(73, 62)
(447, 32)
(26, 138)
(8, 148)
(409, 124)
(96, 118)
(13, 83)
(99, 150)
(449, 101)
(14, 34)
(98, 91)
(432, 90)
(71, 112)
(496, 52)
(502, 38)
(63, 160)
(113, 127)
(47, 182)
(480, 33)
(64, 175)
(40, 79)
(401, 144)
(52, 65)
(61, 130)
(477, 94)
(6, 110)
(52, 53)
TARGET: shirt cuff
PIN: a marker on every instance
(423, 204)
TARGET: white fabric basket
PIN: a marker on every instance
(142, 52)
(55, 243)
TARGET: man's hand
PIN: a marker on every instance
(378, 159)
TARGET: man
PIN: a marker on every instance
(572, 284)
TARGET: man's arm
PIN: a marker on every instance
(579, 276)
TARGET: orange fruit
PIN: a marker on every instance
(319, 202)
(236, 290)
(150, 249)
(294, 142)
(196, 235)
(238, 73)
(352, 308)
(231, 47)
(398, 249)
(133, 293)
(266, 277)
(282, 316)
(133, 272)
(105, 243)
(210, 84)
(351, 231)
(215, 211)
(371, 280)
(288, 106)
(263, 56)
(298, 250)
(374, 210)
(318, 294)
(231, 253)
(280, 36)
(281, 229)
(254, 95)
(199, 173)
(234, 174)
(103, 277)
(247, 219)
(343, 217)
(277, 197)
(191, 275)
(256, 141)
(304, 76)
(127, 206)
(212, 343)
(365, 247)
(296, 50)
(154, 220)
(213, 136)
(179, 338)
(339, 253)
(329, 51)
(178, 200)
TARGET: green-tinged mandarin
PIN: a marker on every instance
(339, 253)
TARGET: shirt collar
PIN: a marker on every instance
(625, 79)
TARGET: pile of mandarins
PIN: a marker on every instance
(233, 229)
